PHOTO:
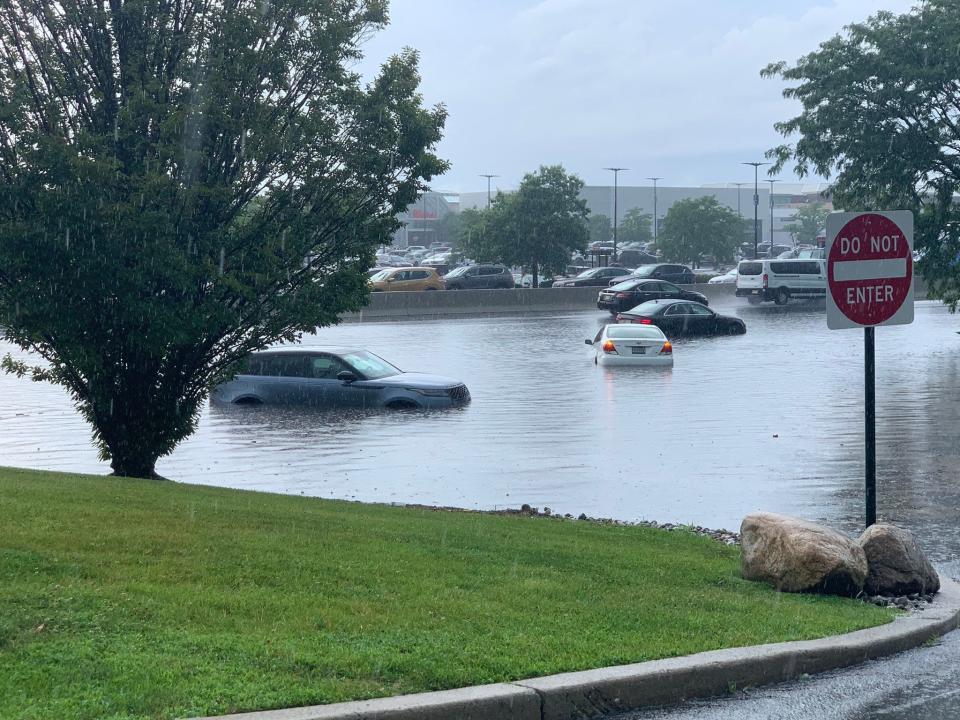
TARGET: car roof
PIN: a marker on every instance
(312, 350)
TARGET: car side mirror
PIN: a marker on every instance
(589, 342)
(346, 376)
(390, 279)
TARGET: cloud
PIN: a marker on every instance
(671, 89)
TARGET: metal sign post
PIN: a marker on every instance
(870, 426)
(869, 283)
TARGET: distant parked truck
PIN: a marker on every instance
(780, 280)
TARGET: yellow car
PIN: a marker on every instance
(408, 278)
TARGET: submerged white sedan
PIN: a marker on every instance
(643, 345)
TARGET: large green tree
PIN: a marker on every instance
(807, 223)
(881, 118)
(536, 227)
(635, 227)
(698, 227)
(184, 182)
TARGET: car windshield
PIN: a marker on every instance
(620, 332)
(644, 270)
(369, 365)
(651, 307)
(382, 275)
(457, 272)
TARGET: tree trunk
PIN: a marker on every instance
(135, 465)
(534, 271)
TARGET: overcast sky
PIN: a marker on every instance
(665, 87)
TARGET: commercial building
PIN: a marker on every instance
(423, 221)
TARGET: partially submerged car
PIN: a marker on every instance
(335, 377)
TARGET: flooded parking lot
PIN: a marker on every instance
(771, 420)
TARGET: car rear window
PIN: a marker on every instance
(625, 285)
(622, 332)
(650, 307)
(750, 268)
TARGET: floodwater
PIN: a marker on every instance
(770, 420)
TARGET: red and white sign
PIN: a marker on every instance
(869, 269)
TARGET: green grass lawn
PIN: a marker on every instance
(140, 599)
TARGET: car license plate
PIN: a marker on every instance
(638, 350)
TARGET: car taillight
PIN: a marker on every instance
(766, 281)
(609, 347)
(644, 321)
(667, 348)
(624, 295)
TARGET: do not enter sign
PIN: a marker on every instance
(869, 269)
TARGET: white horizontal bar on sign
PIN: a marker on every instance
(870, 269)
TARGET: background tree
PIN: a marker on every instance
(539, 225)
(472, 238)
(635, 227)
(185, 182)
(599, 228)
(699, 227)
(881, 117)
(808, 222)
(448, 229)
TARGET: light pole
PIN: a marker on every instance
(655, 246)
(739, 214)
(488, 177)
(616, 172)
(756, 206)
(771, 215)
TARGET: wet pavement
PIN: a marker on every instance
(922, 684)
(770, 420)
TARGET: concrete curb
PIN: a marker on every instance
(594, 693)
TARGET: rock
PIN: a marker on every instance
(897, 565)
(794, 555)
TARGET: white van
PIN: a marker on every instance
(780, 280)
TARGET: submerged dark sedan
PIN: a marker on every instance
(335, 377)
(633, 292)
(683, 317)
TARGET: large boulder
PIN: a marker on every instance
(897, 565)
(794, 555)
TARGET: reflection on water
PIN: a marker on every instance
(771, 419)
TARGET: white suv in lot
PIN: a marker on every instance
(780, 280)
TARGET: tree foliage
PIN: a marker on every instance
(808, 222)
(699, 227)
(635, 227)
(536, 227)
(881, 118)
(600, 228)
(186, 182)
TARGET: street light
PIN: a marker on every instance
(756, 206)
(655, 246)
(739, 185)
(616, 172)
(739, 214)
(771, 215)
(487, 176)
